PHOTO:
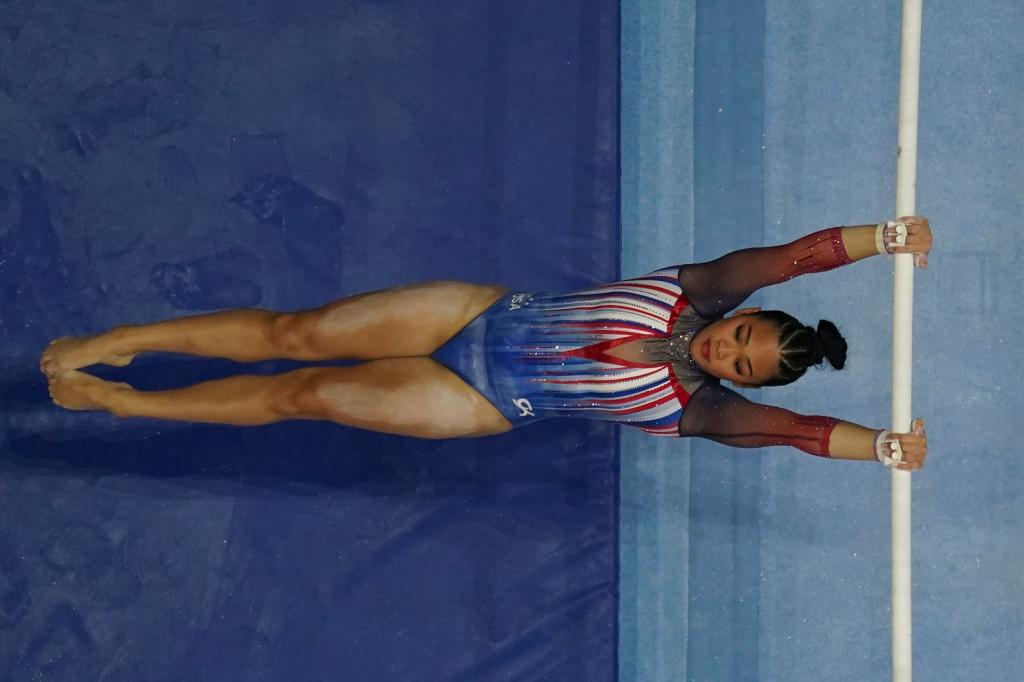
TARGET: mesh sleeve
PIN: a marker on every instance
(716, 287)
(722, 415)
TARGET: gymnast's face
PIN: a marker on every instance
(741, 348)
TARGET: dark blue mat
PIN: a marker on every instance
(194, 156)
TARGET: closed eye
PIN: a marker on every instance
(749, 364)
(737, 363)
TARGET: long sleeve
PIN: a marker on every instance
(724, 416)
(716, 287)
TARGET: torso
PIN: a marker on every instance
(614, 352)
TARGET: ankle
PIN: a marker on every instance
(120, 340)
(118, 400)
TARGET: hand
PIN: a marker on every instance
(915, 446)
(919, 239)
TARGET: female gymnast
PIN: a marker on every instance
(451, 359)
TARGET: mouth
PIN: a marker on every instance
(705, 350)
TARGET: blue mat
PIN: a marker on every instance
(191, 157)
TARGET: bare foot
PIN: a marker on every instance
(73, 352)
(75, 390)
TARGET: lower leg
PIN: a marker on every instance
(242, 335)
(240, 400)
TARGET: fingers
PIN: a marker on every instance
(914, 446)
(919, 239)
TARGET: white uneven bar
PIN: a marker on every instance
(902, 340)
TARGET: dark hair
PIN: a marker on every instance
(801, 346)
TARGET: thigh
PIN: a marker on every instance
(406, 396)
(403, 321)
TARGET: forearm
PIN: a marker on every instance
(859, 241)
(852, 441)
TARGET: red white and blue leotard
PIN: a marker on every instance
(544, 354)
(537, 355)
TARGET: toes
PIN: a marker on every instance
(56, 400)
(47, 362)
(60, 393)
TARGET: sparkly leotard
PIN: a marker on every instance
(537, 355)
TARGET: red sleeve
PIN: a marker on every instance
(724, 416)
(716, 287)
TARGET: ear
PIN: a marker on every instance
(744, 311)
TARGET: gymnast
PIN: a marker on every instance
(448, 359)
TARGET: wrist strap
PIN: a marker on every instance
(888, 449)
(901, 235)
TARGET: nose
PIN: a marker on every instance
(725, 351)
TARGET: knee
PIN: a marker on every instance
(298, 396)
(288, 333)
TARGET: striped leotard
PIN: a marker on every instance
(536, 355)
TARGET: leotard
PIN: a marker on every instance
(537, 355)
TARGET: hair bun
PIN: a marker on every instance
(831, 345)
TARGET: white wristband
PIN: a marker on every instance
(901, 235)
(888, 449)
